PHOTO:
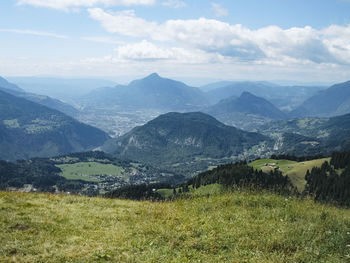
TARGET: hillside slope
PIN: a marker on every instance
(309, 136)
(41, 99)
(330, 102)
(28, 129)
(177, 137)
(239, 226)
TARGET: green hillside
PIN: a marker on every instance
(186, 143)
(229, 227)
(28, 129)
(295, 170)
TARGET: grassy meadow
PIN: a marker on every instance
(86, 170)
(295, 170)
(224, 227)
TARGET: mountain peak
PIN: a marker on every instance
(246, 94)
(247, 103)
(154, 75)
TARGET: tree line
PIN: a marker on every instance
(329, 184)
(239, 174)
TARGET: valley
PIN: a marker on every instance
(180, 145)
(174, 131)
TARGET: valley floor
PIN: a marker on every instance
(226, 227)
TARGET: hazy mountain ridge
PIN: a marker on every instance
(65, 89)
(41, 99)
(284, 97)
(152, 92)
(326, 103)
(247, 103)
(28, 129)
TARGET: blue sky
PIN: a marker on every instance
(297, 40)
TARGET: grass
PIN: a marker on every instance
(226, 227)
(295, 170)
(86, 170)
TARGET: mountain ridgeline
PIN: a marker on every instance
(49, 102)
(28, 129)
(247, 103)
(151, 92)
(330, 102)
(177, 137)
(284, 97)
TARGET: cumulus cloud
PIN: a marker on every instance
(146, 50)
(298, 44)
(67, 4)
(219, 10)
(32, 32)
(124, 22)
(174, 3)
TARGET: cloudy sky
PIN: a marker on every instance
(300, 40)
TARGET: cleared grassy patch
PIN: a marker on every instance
(295, 170)
(165, 192)
(86, 170)
(229, 227)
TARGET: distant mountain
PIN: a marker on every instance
(330, 102)
(247, 103)
(61, 88)
(283, 97)
(152, 92)
(41, 99)
(4, 84)
(216, 85)
(245, 112)
(182, 137)
(28, 129)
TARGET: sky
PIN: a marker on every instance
(297, 40)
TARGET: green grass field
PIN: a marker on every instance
(295, 170)
(227, 227)
(86, 170)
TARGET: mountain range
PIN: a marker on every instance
(151, 92)
(326, 103)
(28, 129)
(66, 89)
(284, 97)
(49, 102)
(245, 111)
(247, 103)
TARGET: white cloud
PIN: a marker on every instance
(174, 3)
(219, 10)
(124, 22)
(143, 51)
(32, 32)
(148, 51)
(298, 44)
(68, 4)
(107, 40)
